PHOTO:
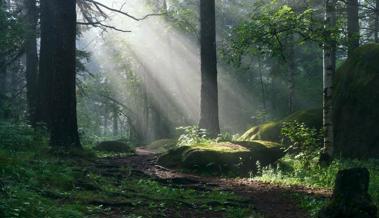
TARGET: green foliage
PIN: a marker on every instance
(25, 181)
(192, 135)
(271, 131)
(20, 136)
(302, 140)
(311, 204)
(270, 26)
(10, 32)
(294, 171)
(207, 200)
(34, 183)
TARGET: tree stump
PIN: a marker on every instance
(350, 196)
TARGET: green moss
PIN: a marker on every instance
(356, 99)
(227, 158)
(271, 131)
(225, 147)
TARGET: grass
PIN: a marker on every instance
(37, 183)
(293, 171)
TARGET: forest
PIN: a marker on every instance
(189, 108)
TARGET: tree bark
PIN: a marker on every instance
(31, 17)
(115, 121)
(209, 118)
(291, 73)
(329, 68)
(376, 29)
(46, 65)
(105, 122)
(263, 89)
(58, 54)
(352, 25)
(3, 77)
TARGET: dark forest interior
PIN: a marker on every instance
(189, 108)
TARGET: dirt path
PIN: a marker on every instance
(272, 201)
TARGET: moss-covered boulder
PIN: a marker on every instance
(227, 158)
(113, 146)
(162, 145)
(271, 131)
(356, 103)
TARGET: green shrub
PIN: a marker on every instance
(20, 136)
(303, 141)
(271, 131)
(192, 135)
(295, 171)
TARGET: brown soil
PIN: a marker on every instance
(270, 200)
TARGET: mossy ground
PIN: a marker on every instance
(271, 131)
(223, 158)
(34, 183)
(291, 171)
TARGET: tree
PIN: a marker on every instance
(291, 68)
(376, 28)
(115, 130)
(352, 25)
(11, 49)
(209, 118)
(30, 23)
(57, 66)
(329, 59)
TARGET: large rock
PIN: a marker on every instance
(239, 158)
(350, 196)
(271, 131)
(356, 103)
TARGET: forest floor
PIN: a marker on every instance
(268, 200)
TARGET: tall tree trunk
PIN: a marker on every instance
(3, 72)
(263, 89)
(376, 28)
(275, 83)
(48, 49)
(115, 121)
(3, 78)
(291, 68)
(61, 44)
(329, 68)
(105, 123)
(352, 25)
(31, 17)
(209, 118)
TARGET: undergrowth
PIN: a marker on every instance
(302, 168)
(35, 182)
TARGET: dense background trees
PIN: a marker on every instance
(270, 59)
